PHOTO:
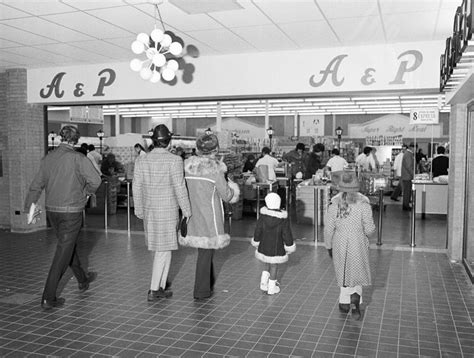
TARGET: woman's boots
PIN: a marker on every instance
(355, 306)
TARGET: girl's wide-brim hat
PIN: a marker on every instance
(207, 143)
(347, 181)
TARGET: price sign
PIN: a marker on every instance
(424, 116)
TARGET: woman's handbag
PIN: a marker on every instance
(183, 226)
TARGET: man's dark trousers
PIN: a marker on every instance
(66, 227)
(406, 188)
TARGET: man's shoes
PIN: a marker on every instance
(155, 295)
(395, 199)
(91, 276)
(48, 305)
(405, 208)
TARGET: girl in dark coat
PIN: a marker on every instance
(273, 240)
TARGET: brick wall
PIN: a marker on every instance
(23, 125)
(4, 180)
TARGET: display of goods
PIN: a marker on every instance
(371, 183)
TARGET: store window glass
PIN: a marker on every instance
(468, 249)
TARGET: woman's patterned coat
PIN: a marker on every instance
(348, 239)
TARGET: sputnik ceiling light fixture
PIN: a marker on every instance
(163, 50)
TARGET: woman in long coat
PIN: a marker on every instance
(349, 223)
(208, 188)
(159, 190)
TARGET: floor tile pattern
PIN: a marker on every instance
(420, 304)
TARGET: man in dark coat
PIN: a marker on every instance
(408, 170)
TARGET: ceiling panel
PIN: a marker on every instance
(249, 15)
(105, 49)
(74, 52)
(24, 37)
(38, 54)
(40, 7)
(127, 17)
(91, 4)
(256, 25)
(6, 44)
(177, 18)
(423, 31)
(54, 31)
(23, 60)
(407, 6)
(266, 38)
(358, 31)
(7, 12)
(314, 34)
(335, 9)
(224, 40)
(298, 11)
(87, 24)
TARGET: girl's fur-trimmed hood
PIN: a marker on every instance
(279, 214)
(197, 165)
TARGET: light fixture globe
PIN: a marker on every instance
(168, 74)
(136, 65)
(208, 131)
(270, 131)
(176, 48)
(155, 77)
(159, 59)
(100, 133)
(338, 131)
(166, 41)
(157, 35)
(145, 73)
(173, 64)
(138, 47)
(143, 38)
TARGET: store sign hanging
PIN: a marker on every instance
(424, 116)
(393, 125)
(312, 126)
(394, 67)
(457, 44)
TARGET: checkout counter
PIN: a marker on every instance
(431, 197)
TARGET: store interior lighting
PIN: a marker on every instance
(278, 107)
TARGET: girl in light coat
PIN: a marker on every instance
(349, 223)
(208, 188)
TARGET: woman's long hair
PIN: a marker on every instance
(343, 205)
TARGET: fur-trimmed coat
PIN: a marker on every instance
(207, 189)
(273, 238)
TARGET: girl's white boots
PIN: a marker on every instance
(264, 280)
(273, 287)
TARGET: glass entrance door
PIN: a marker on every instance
(468, 239)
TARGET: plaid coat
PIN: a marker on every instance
(159, 190)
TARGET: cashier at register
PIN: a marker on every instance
(269, 161)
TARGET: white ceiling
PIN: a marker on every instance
(45, 33)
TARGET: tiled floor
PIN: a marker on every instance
(420, 304)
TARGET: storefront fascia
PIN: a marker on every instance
(403, 68)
